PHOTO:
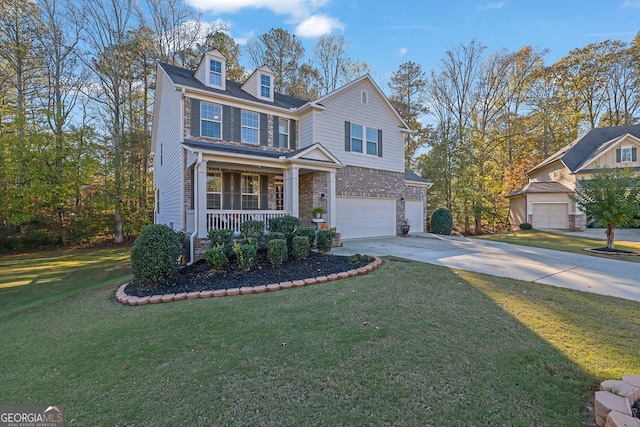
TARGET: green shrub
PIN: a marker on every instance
(276, 236)
(155, 253)
(253, 229)
(324, 241)
(285, 224)
(441, 221)
(300, 247)
(245, 255)
(277, 251)
(360, 258)
(216, 257)
(222, 238)
(309, 232)
(526, 226)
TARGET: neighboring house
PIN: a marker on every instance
(544, 202)
(226, 152)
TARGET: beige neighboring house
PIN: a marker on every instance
(544, 202)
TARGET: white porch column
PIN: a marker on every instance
(291, 191)
(331, 199)
(200, 192)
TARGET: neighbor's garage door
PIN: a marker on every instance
(550, 215)
(365, 217)
(414, 210)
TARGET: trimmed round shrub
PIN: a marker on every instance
(300, 247)
(526, 226)
(285, 224)
(222, 237)
(441, 221)
(309, 232)
(216, 257)
(277, 251)
(253, 229)
(324, 241)
(245, 255)
(274, 235)
(155, 253)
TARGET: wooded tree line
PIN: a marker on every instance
(76, 101)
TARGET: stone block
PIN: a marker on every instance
(352, 273)
(155, 299)
(180, 296)
(246, 290)
(168, 297)
(206, 294)
(310, 281)
(133, 300)
(322, 279)
(286, 285)
(259, 289)
(233, 292)
(361, 271)
(298, 283)
(622, 388)
(333, 277)
(342, 275)
(632, 379)
(144, 300)
(606, 402)
(618, 419)
(193, 295)
(273, 287)
(219, 293)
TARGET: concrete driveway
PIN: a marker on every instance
(580, 272)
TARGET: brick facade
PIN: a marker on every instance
(312, 186)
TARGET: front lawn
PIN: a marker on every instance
(562, 242)
(408, 344)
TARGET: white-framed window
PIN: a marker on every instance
(357, 135)
(279, 184)
(283, 133)
(215, 72)
(265, 86)
(372, 141)
(250, 191)
(210, 120)
(625, 154)
(250, 127)
(214, 190)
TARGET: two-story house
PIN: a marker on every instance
(226, 152)
(545, 203)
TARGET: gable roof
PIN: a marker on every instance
(540, 188)
(589, 146)
(184, 77)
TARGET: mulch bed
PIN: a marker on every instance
(609, 251)
(201, 277)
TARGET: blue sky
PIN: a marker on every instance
(386, 34)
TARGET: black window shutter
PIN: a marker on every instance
(292, 134)
(195, 117)
(226, 190)
(236, 123)
(347, 136)
(618, 155)
(379, 142)
(634, 154)
(264, 131)
(237, 191)
(226, 122)
(264, 192)
(276, 131)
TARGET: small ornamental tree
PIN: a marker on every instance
(612, 196)
(441, 221)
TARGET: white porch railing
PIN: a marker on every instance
(230, 219)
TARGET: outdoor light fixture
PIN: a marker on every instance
(323, 196)
(402, 200)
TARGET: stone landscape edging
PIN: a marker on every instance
(614, 400)
(124, 299)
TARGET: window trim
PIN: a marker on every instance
(626, 150)
(213, 173)
(364, 140)
(244, 127)
(203, 119)
(268, 86)
(243, 193)
(280, 133)
(218, 74)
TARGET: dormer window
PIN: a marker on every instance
(215, 72)
(265, 86)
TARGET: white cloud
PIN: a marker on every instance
(403, 51)
(303, 13)
(631, 3)
(318, 25)
(492, 6)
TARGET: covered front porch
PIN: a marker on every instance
(225, 189)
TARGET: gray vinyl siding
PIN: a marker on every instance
(328, 129)
(169, 176)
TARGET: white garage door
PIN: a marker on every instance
(365, 217)
(414, 210)
(550, 215)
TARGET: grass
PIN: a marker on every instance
(562, 242)
(409, 344)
